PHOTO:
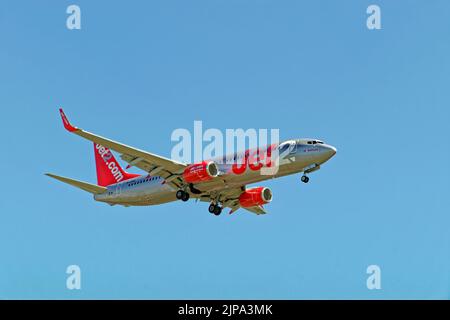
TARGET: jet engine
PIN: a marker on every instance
(199, 172)
(255, 197)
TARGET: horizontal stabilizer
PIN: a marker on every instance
(92, 188)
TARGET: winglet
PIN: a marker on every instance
(66, 122)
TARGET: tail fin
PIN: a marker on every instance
(109, 170)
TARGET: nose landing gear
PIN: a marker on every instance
(311, 168)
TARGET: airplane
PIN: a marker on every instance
(221, 181)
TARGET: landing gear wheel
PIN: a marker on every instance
(182, 195)
(304, 179)
(217, 210)
(185, 197)
(179, 194)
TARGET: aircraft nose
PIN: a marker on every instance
(333, 150)
(330, 151)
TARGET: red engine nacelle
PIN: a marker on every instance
(199, 172)
(255, 197)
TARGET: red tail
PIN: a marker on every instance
(109, 170)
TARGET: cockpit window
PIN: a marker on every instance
(315, 142)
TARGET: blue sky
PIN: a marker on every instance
(138, 70)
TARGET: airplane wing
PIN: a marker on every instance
(257, 209)
(169, 169)
(230, 199)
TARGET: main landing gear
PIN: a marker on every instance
(304, 179)
(182, 195)
(215, 209)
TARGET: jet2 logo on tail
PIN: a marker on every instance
(104, 152)
(106, 155)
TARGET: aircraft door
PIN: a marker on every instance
(118, 189)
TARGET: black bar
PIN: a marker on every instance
(229, 309)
